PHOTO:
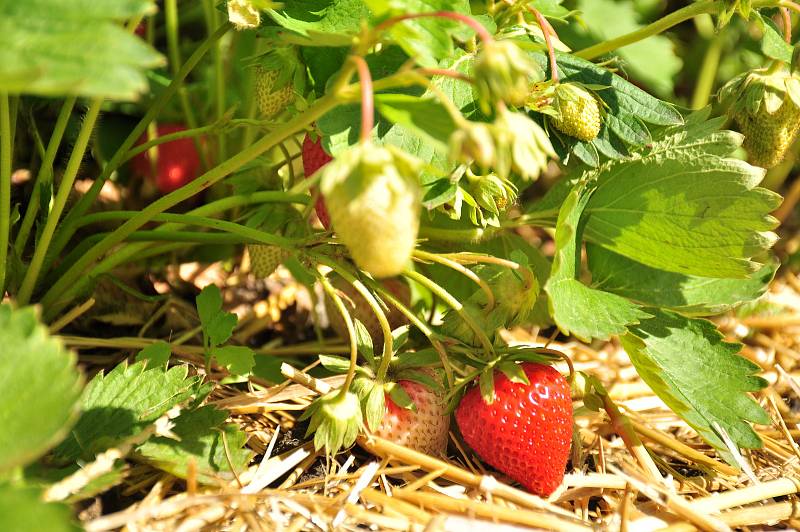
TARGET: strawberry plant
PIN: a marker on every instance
(429, 174)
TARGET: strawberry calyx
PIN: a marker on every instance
(335, 420)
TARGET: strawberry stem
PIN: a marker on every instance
(5, 185)
(418, 323)
(351, 331)
(483, 33)
(423, 256)
(453, 303)
(67, 228)
(367, 98)
(546, 31)
(787, 24)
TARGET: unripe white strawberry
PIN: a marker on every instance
(373, 197)
(425, 428)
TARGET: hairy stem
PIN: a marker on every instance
(453, 303)
(45, 174)
(67, 283)
(68, 226)
(64, 189)
(548, 41)
(469, 274)
(367, 98)
(5, 185)
(351, 332)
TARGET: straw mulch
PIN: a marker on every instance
(635, 465)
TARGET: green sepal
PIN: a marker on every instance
(514, 372)
(420, 377)
(399, 396)
(336, 421)
(364, 343)
(486, 383)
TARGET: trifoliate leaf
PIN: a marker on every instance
(577, 309)
(120, 404)
(201, 440)
(688, 294)
(699, 376)
(22, 509)
(39, 388)
(217, 324)
(66, 47)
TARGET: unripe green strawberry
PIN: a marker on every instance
(271, 100)
(767, 137)
(765, 104)
(578, 112)
(360, 310)
(373, 197)
(264, 259)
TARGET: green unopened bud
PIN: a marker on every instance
(522, 146)
(492, 192)
(503, 72)
(473, 142)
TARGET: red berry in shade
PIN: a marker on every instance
(526, 431)
(314, 158)
(177, 162)
(424, 429)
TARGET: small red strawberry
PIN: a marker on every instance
(526, 431)
(314, 158)
(177, 162)
(360, 310)
(425, 428)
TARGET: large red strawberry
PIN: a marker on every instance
(177, 162)
(314, 158)
(425, 428)
(526, 431)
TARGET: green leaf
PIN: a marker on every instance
(69, 47)
(320, 22)
(688, 294)
(156, 354)
(237, 359)
(425, 116)
(217, 324)
(120, 404)
(40, 388)
(201, 440)
(22, 509)
(577, 309)
(652, 61)
(699, 376)
(684, 208)
(772, 43)
(428, 40)
(400, 397)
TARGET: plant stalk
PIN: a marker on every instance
(5, 186)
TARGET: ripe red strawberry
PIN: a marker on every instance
(359, 309)
(314, 158)
(177, 162)
(526, 431)
(424, 430)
